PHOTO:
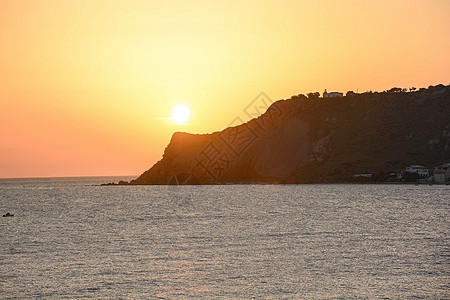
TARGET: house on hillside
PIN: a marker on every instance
(332, 94)
(420, 170)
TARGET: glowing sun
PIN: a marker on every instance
(181, 113)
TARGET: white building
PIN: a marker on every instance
(442, 173)
(332, 94)
(439, 176)
(420, 170)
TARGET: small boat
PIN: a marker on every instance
(8, 215)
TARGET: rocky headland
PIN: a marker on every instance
(309, 139)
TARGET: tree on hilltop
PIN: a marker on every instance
(394, 90)
(313, 95)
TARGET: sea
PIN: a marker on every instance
(70, 238)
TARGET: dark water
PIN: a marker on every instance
(69, 239)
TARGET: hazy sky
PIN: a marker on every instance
(87, 87)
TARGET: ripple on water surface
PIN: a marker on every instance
(71, 239)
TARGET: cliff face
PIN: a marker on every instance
(303, 140)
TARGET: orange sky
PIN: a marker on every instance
(86, 87)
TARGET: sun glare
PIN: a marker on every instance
(181, 113)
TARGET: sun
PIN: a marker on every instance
(181, 113)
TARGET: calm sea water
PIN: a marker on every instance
(69, 239)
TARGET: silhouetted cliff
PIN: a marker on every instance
(305, 140)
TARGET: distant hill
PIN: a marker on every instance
(312, 140)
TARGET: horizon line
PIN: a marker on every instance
(74, 176)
